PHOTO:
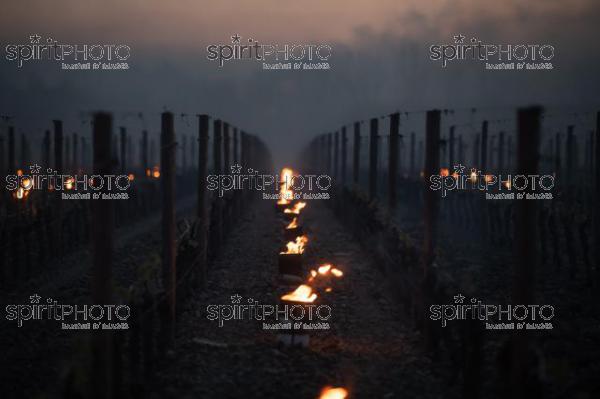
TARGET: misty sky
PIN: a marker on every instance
(380, 61)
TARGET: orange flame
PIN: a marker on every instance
(337, 272)
(296, 247)
(156, 172)
(286, 176)
(131, 177)
(301, 294)
(333, 393)
(19, 172)
(69, 183)
(285, 193)
(282, 200)
(473, 176)
(296, 209)
(328, 268)
(148, 172)
(324, 269)
(507, 184)
(488, 178)
(444, 172)
(27, 183)
(293, 224)
(20, 193)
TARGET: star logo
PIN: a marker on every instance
(35, 168)
(236, 298)
(235, 38)
(459, 169)
(459, 298)
(459, 39)
(35, 298)
(235, 169)
(35, 39)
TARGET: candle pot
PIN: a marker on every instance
(290, 264)
(291, 234)
(290, 216)
(295, 336)
(293, 339)
(281, 207)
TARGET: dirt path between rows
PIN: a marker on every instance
(369, 348)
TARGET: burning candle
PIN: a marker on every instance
(285, 193)
(337, 272)
(473, 176)
(293, 224)
(334, 393)
(326, 269)
(290, 260)
(292, 230)
(69, 183)
(296, 247)
(27, 183)
(21, 193)
(322, 276)
(285, 178)
(302, 294)
(295, 210)
(302, 297)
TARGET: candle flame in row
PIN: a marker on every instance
(154, 172)
(296, 208)
(293, 224)
(285, 193)
(334, 393)
(325, 270)
(297, 246)
(303, 293)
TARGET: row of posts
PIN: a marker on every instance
(324, 149)
(328, 153)
(253, 152)
(74, 150)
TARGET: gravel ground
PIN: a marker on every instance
(369, 348)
